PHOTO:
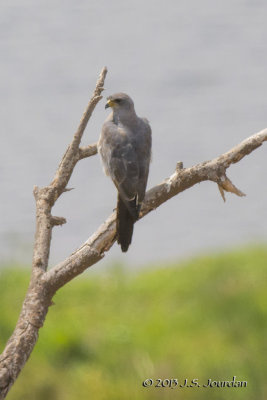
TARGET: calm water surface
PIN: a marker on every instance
(196, 71)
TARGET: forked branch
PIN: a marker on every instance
(44, 284)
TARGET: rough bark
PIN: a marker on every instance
(40, 292)
(44, 284)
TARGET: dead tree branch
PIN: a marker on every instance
(44, 284)
(87, 151)
(39, 294)
(183, 178)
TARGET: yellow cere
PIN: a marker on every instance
(111, 103)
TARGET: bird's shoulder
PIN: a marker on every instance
(146, 123)
(144, 134)
(145, 128)
(114, 131)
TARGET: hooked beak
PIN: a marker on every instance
(109, 103)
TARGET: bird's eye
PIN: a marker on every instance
(118, 100)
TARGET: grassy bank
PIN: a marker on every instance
(206, 318)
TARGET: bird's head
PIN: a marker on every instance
(120, 102)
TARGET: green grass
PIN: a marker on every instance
(205, 318)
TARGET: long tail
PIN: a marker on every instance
(126, 217)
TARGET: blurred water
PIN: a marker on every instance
(197, 71)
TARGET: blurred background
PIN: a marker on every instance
(197, 72)
(197, 308)
(108, 332)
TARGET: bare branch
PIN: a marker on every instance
(46, 197)
(67, 190)
(39, 294)
(212, 170)
(224, 184)
(72, 154)
(87, 151)
(182, 179)
(87, 255)
(44, 284)
(55, 221)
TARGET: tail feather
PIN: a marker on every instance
(126, 217)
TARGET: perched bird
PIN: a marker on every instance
(125, 149)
